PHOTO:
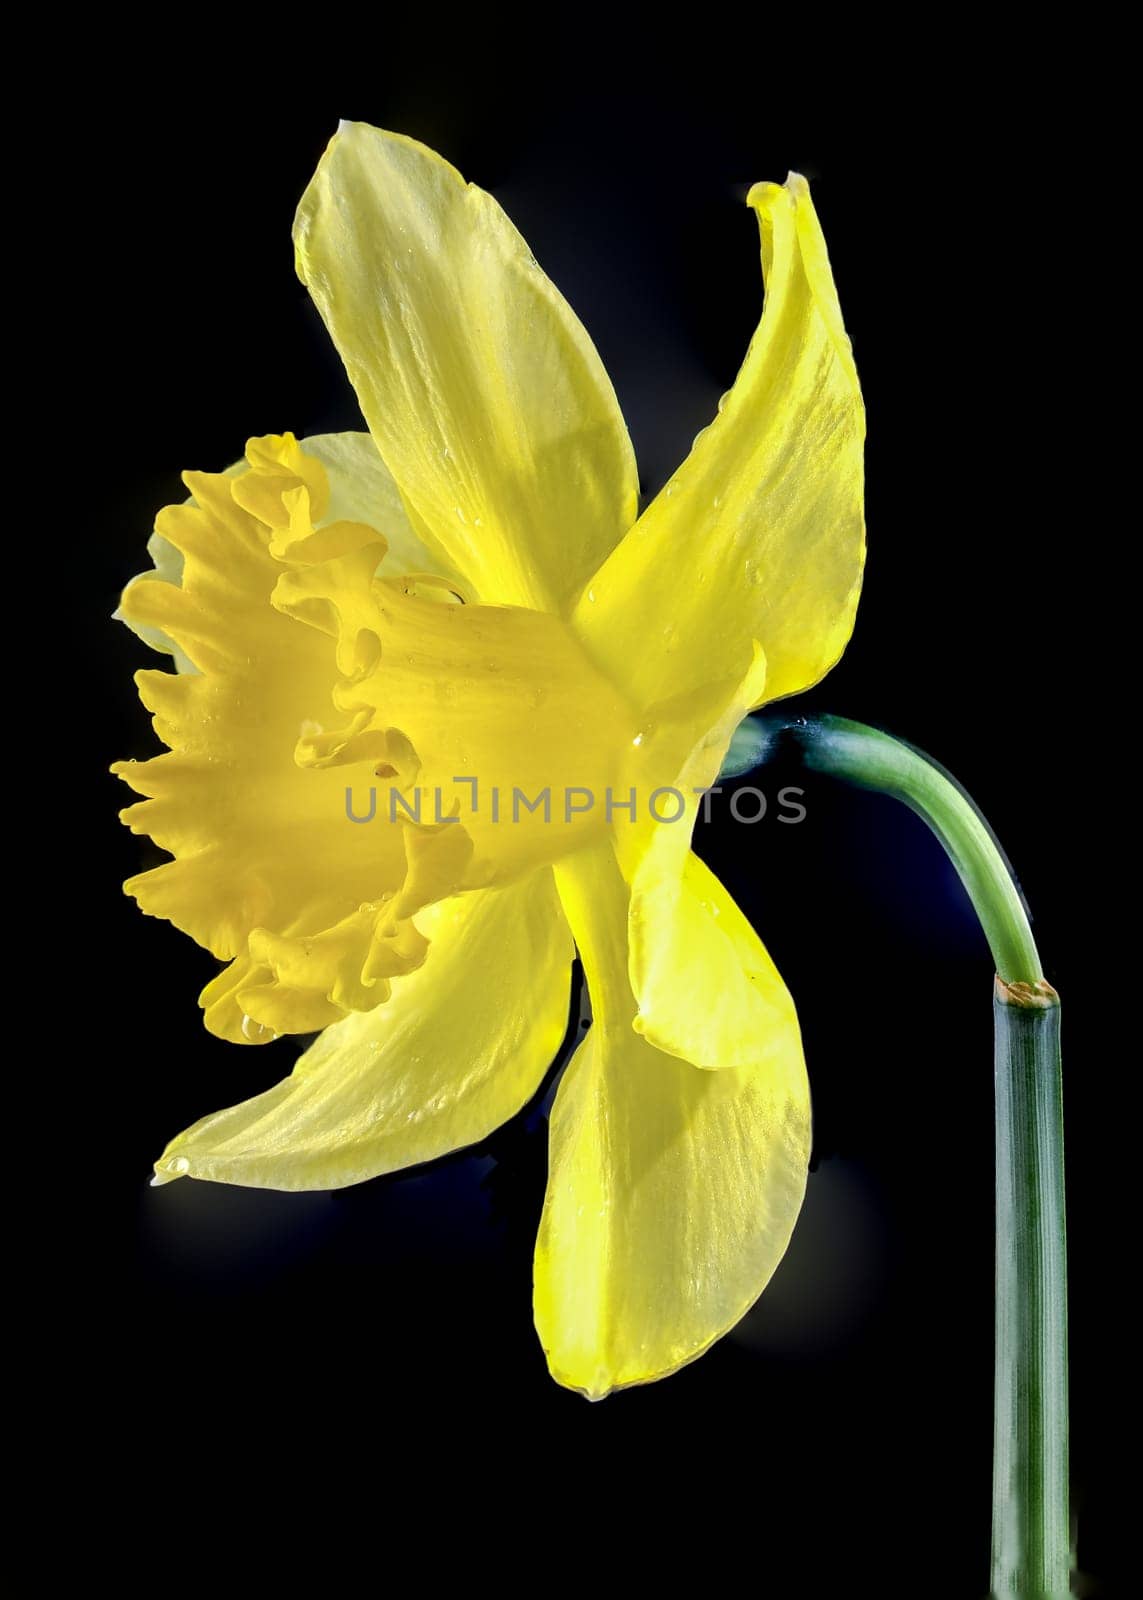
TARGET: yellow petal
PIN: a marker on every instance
(686, 936)
(672, 1192)
(484, 394)
(461, 1045)
(760, 534)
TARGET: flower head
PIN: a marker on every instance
(439, 687)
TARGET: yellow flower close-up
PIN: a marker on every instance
(445, 705)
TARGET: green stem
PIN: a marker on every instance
(1031, 1556)
(1030, 1540)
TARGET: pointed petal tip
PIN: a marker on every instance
(763, 197)
(592, 1389)
(348, 127)
(168, 1169)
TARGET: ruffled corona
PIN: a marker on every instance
(313, 915)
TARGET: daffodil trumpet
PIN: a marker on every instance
(1031, 1546)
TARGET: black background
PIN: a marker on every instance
(382, 1336)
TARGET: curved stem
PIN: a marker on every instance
(1031, 1556)
(875, 760)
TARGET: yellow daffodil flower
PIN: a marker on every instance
(464, 606)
